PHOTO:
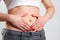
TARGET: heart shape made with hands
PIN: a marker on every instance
(31, 27)
(33, 15)
(34, 21)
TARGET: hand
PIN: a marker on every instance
(19, 23)
(38, 24)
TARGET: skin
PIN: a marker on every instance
(43, 19)
(18, 17)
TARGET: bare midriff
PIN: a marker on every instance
(21, 11)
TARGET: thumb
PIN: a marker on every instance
(34, 15)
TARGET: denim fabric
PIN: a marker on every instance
(19, 35)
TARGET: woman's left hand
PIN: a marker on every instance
(39, 23)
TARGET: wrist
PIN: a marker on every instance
(9, 17)
(4, 17)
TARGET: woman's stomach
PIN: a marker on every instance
(25, 12)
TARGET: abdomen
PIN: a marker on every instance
(25, 12)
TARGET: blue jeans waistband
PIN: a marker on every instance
(20, 33)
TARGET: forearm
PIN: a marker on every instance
(49, 13)
(50, 9)
(4, 17)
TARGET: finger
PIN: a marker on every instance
(24, 30)
(33, 27)
(26, 24)
(37, 26)
(25, 27)
(36, 22)
(40, 28)
(20, 27)
(34, 15)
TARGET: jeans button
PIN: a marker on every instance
(30, 33)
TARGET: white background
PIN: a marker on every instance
(52, 28)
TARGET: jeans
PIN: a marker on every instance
(19, 35)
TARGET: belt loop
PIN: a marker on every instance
(3, 31)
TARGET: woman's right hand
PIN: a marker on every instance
(18, 22)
